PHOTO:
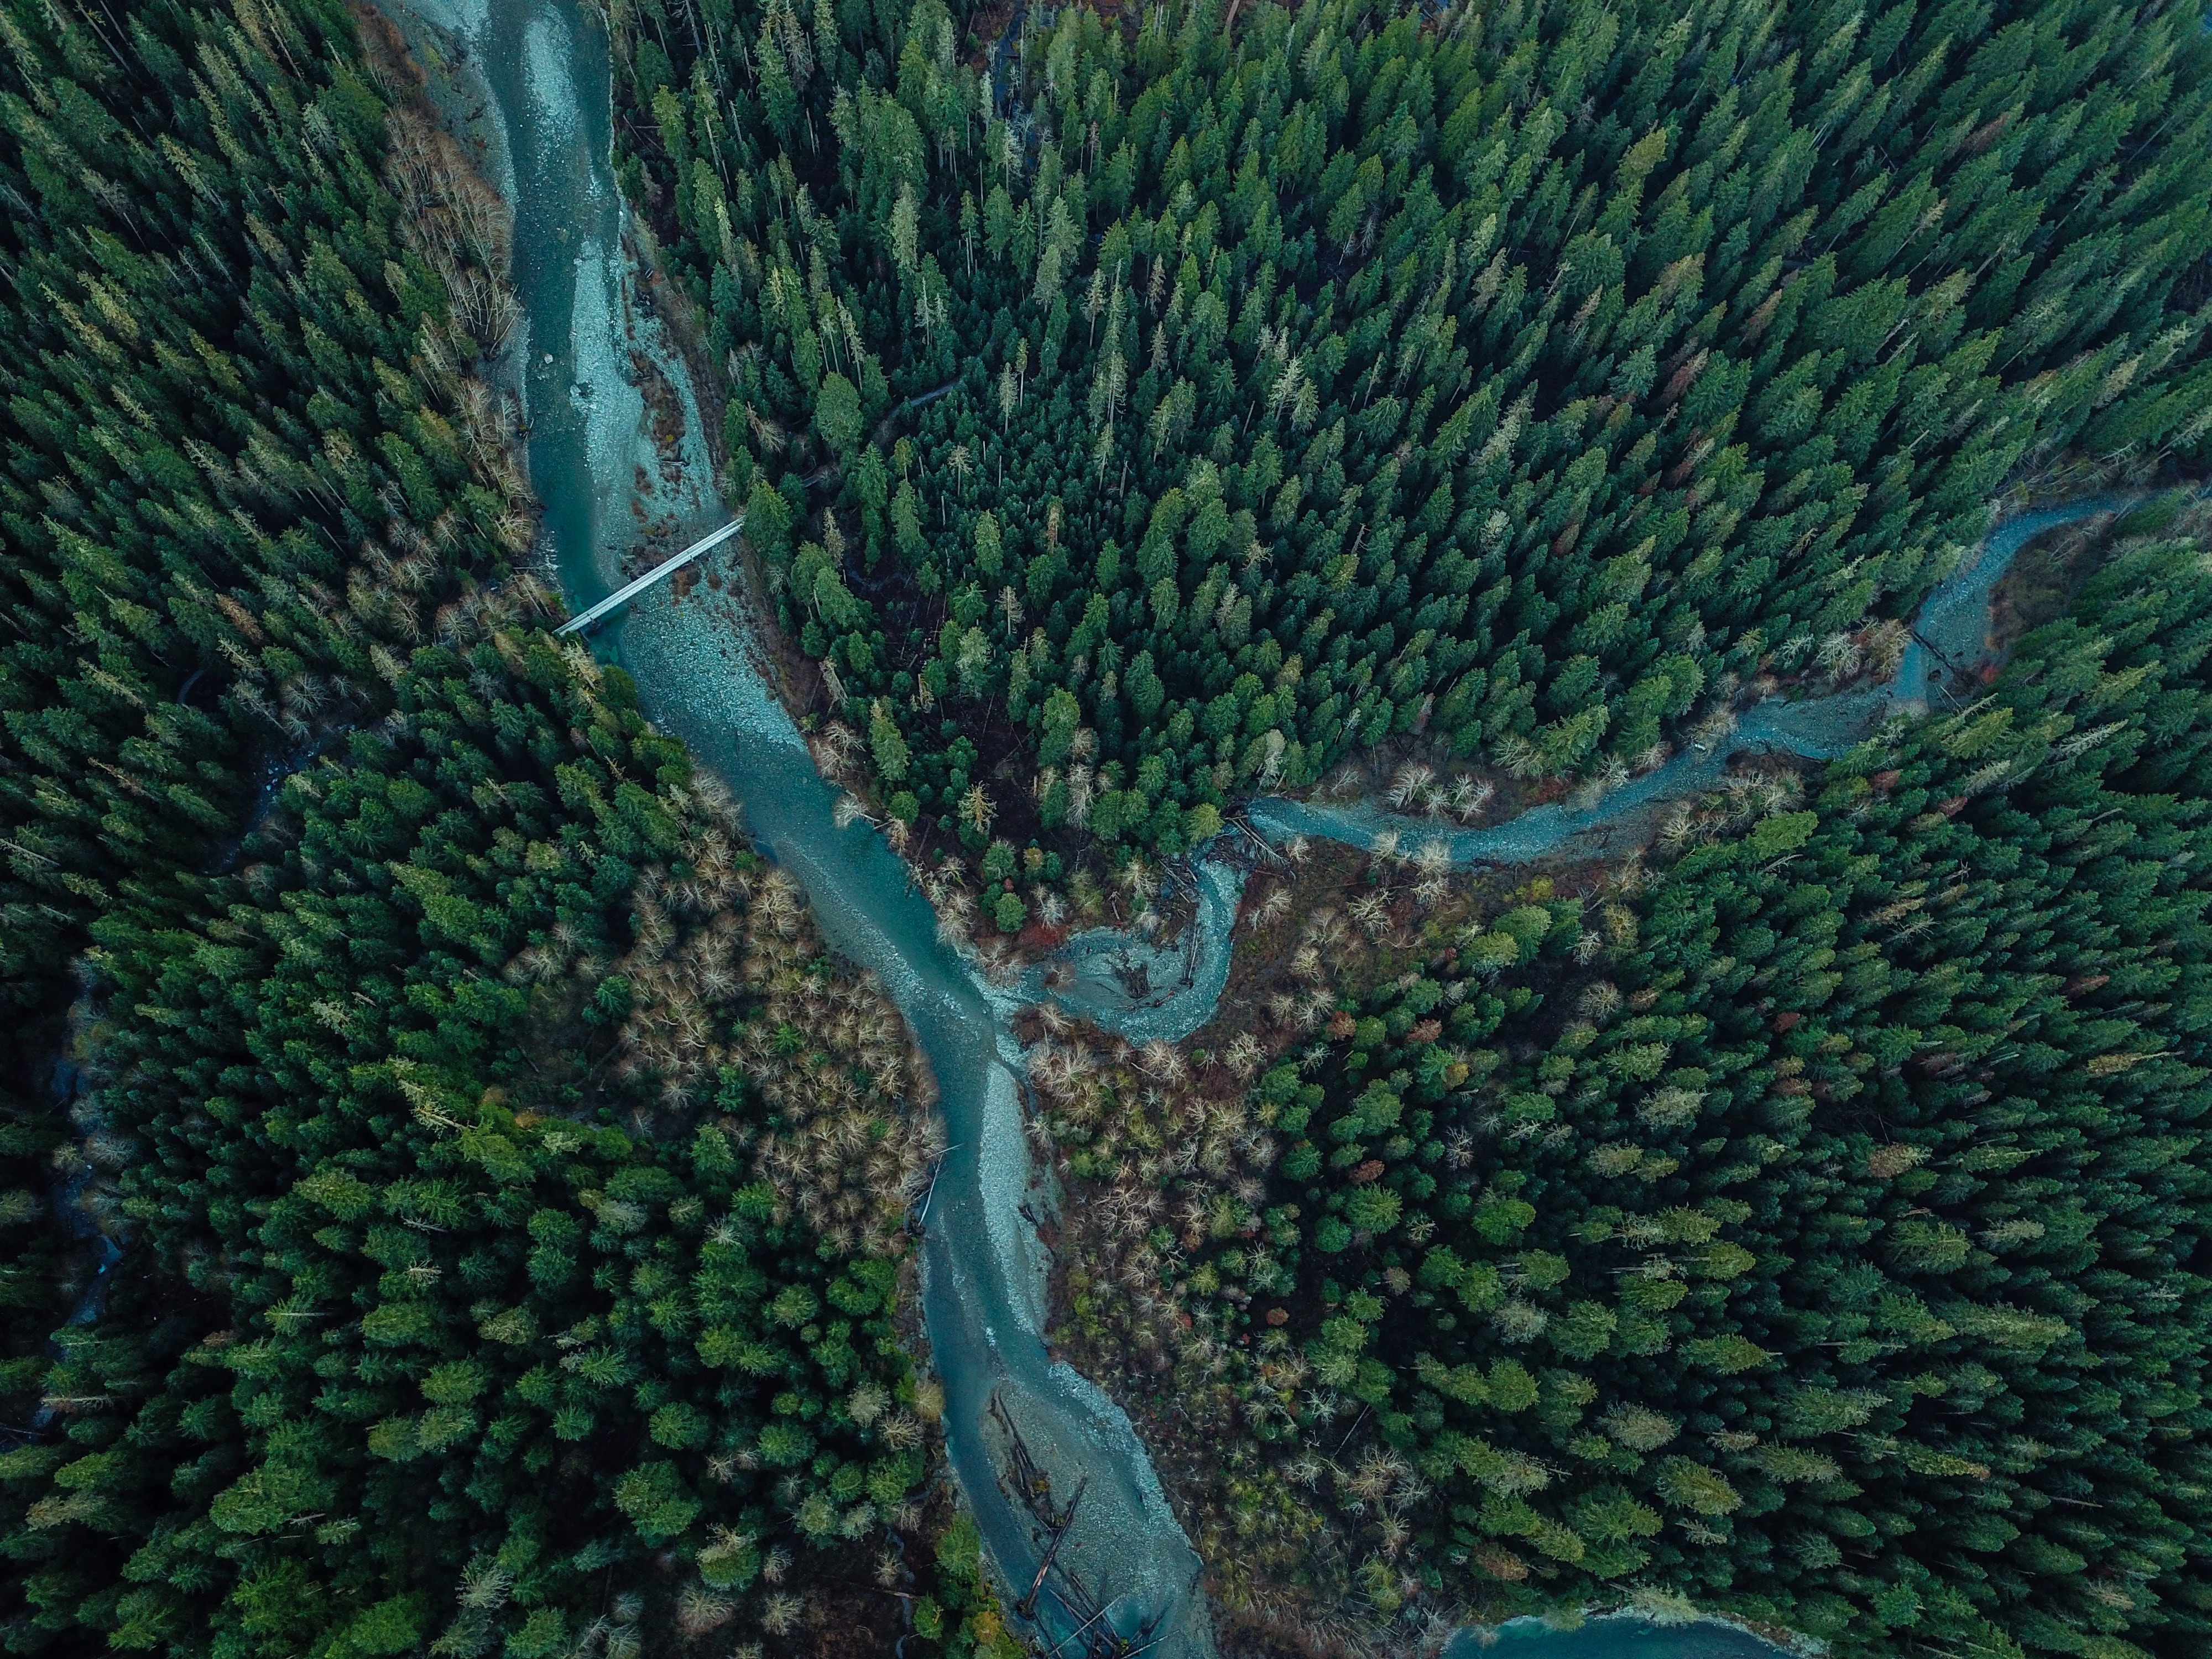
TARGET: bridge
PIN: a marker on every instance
(622, 595)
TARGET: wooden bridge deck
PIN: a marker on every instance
(622, 595)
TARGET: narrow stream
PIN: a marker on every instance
(589, 363)
(1950, 633)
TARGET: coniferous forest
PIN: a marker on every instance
(1804, 1218)
(1522, 380)
(453, 1201)
(1808, 1219)
(510, 1185)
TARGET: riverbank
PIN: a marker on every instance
(1167, 1150)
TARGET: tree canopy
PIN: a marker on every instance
(504, 1184)
(1521, 381)
(1809, 1224)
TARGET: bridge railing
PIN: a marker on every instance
(622, 595)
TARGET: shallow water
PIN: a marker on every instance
(983, 1280)
(548, 128)
(1950, 635)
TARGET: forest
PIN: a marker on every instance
(503, 1185)
(1807, 1220)
(1136, 412)
(1520, 380)
(453, 1199)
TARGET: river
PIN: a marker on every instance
(1950, 633)
(547, 127)
(544, 62)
